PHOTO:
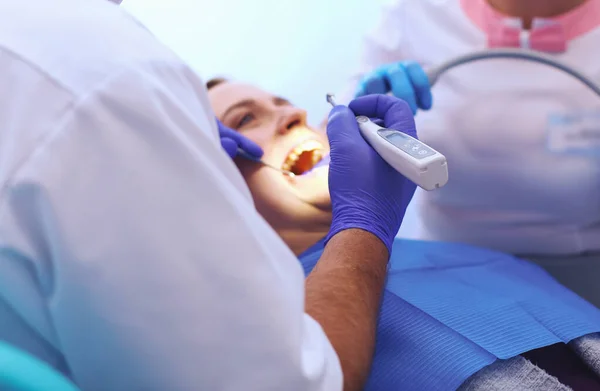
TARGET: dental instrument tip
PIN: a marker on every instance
(331, 99)
(246, 155)
(281, 170)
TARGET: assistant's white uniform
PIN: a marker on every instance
(508, 189)
(131, 257)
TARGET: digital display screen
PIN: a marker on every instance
(407, 144)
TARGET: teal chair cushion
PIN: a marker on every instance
(20, 371)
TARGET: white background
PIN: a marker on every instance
(301, 49)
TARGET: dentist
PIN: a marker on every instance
(127, 235)
(521, 139)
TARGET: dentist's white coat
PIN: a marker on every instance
(131, 257)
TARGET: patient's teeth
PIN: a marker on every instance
(289, 162)
(312, 146)
(298, 151)
(316, 157)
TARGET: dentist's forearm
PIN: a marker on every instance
(343, 294)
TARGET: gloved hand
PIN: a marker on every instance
(405, 80)
(232, 140)
(366, 192)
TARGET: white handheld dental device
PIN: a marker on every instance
(417, 161)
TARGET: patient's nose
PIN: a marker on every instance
(291, 118)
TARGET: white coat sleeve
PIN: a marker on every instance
(163, 276)
(382, 45)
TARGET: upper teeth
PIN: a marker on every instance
(308, 146)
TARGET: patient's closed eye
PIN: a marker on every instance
(246, 119)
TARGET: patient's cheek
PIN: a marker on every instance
(257, 180)
(246, 167)
(271, 198)
(268, 187)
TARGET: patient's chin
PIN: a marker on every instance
(313, 188)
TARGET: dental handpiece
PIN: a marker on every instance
(519, 54)
(417, 161)
(247, 156)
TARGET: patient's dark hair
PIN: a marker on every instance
(215, 82)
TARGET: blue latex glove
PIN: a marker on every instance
(232, 140)
(366, 192)
(405, 80)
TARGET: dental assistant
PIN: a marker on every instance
(521, 139)
(131, 255)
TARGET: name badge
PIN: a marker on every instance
(575, 133)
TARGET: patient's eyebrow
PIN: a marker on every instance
(242, 103)
(279, 101)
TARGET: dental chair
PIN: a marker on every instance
(21, 372)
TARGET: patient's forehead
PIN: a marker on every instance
(227, 94)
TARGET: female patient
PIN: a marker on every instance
(453, 316)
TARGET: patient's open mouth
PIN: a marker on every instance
(303, 157)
